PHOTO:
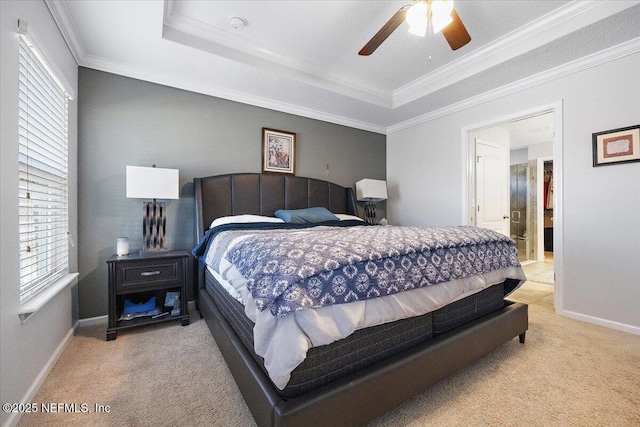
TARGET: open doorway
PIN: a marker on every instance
(541, 270)
(534, 209)
(531, 189)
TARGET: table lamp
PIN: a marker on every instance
(153, 183)
(371, 191)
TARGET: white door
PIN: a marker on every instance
(492, 187)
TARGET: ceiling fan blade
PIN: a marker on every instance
(456, 33)
(384, 32)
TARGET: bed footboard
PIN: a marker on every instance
(366, 394)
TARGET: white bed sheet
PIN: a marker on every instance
(284, 342)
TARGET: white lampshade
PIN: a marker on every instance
(152, 183)
(371, 190)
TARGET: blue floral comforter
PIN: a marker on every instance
(292, 269)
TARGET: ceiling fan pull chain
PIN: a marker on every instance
(429, 32)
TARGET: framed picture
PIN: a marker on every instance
(616, 146)
(278, 151)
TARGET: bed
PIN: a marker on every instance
(370, 367)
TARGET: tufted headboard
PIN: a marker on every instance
(263, 194)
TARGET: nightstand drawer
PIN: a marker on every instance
(132, 274)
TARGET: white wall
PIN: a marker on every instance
(26, 350)
(519, 156)
(544, 149)
(426, 169)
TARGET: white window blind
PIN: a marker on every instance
(43, 182)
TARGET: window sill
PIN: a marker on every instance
(37, 302)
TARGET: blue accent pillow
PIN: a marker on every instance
(306, 216)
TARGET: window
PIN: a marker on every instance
(43, 186)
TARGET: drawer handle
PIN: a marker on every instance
(150, 273)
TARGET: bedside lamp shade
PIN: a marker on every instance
(371, 191)
(153, 183)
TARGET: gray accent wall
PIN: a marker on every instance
(123, 121)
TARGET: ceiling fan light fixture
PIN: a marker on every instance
(419, 29)
(420, 15)
(417, 15)
(441, 14)
(439, 22)
(442, 7)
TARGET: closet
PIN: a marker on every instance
(548, 206)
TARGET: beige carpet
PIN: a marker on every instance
(568, 373)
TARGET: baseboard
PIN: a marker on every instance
(14, 418)
(635, 330)
(91, 321)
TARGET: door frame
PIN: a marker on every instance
(468, 180)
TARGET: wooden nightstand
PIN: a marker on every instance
(135, 278)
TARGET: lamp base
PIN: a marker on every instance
(154, 227)
(370, 212)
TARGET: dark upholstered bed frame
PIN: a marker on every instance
(360, 396)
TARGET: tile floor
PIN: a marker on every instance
(531, 290)
(539, 268)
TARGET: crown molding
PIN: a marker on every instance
(611, 54)
(193, 33)
(69, 32)
(224, 93)
(581, 13)
(557, 23)
(60, 14)
(560, 22)
(616, 52)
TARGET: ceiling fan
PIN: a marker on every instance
(439, 14)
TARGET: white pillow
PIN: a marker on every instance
(239, 219)
(344, 217)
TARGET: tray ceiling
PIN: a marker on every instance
(301, 57)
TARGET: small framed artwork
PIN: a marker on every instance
(278, 151)
(616, 146)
